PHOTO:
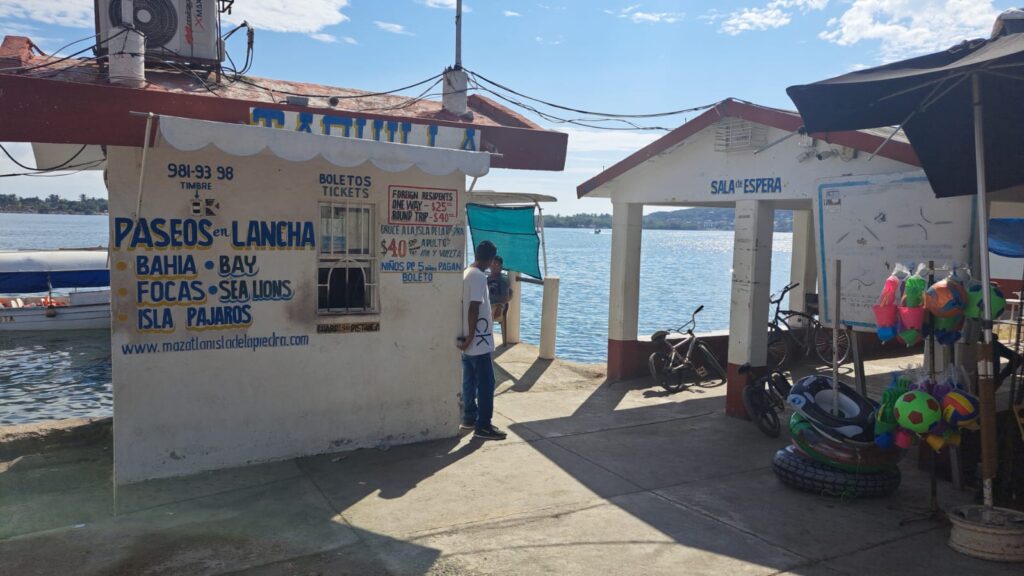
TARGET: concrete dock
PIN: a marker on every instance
(595, 478)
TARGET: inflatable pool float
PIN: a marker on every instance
(840, 455)
(811, 397)
(796, 470)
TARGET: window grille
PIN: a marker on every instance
(733, 134)
(347, 269)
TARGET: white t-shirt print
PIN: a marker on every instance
(474, 289)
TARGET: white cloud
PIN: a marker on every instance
(637, 16)
(324, 37)
(349, 40)
(443, 4)
(306, 16)
(73, 13)
(511, 14)
(392, 27)
(906, 28)
(654, 17)
(549, 41)
(774, 14)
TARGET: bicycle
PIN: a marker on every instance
(765, 398)
(792, 334)
(678, 366)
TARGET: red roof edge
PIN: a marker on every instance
(730, 107)
(496, 111)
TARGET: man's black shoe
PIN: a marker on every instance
(490, 433)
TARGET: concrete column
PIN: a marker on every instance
(751, 286)
(510, 330)
(549, 318)
(624, 292)
(804, 268)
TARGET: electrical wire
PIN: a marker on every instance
(66, 171)
(51, 169)
(65, 58)
(586, 112)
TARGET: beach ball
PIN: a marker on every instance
(917, 411)
(945, 299)
(974, 305)
(959, 408)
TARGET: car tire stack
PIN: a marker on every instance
(835, 455)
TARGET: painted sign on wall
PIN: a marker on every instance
(432, 135)
(421, 236)
(764, 185)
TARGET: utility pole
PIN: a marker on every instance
(454, 97)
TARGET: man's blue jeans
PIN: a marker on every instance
(477, 390)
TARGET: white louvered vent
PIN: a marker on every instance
(733, 134)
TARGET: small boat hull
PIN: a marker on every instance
(35, 319)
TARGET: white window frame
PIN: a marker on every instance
(343, 259)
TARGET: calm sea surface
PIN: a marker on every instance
(49, 377)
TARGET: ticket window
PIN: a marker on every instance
(347, 270)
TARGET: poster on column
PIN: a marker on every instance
(422, 236)
(871, 223)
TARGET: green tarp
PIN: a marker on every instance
(512, 230)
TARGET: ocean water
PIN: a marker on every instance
(68, 375)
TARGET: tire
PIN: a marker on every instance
(778, 349)
(658, 364)
(715, 373)
(802, 473)
(755, 400)
(821, 339)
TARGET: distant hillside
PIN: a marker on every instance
(683, 219)
(52, 204)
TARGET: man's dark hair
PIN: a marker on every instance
(486, 251)
(499, 260)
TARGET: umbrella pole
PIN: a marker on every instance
(835, 339)
(986, 391)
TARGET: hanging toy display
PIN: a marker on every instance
(886, 316)
(911, 309)
(974, 306)
(946, 301)
(921, 408)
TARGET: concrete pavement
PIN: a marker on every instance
(594, 478)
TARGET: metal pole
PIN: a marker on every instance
(835, 340)
(142, 168)
(543, 246)
(986, 392)
(458, 35)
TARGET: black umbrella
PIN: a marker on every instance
(963, 111)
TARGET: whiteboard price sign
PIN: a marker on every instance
(421, 237)
(422, 206)
(873, 222)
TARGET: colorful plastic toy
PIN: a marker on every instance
(960, 409)
(974, 305)
(947, 298)
(917, 411)
(886, 320)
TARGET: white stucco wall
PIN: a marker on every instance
(178, 412)
(685, 173)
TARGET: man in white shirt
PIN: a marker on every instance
(476, 340)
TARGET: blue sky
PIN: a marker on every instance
(612, 56)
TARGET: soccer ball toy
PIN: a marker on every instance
(917, 411)
(945, 299)
(959, 408)
(974, 304)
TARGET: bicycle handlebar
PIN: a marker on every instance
(778, 298)
(697, 311)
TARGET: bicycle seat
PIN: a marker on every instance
(659, 336)
(745, 368)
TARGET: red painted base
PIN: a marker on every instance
(734, 388)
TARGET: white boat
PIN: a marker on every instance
(44, 290)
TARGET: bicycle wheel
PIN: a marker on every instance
(823, 344)
(778, 349)
(715, 374)
(658, 363)
(758, 406)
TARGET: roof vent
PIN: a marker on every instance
(733, 134)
